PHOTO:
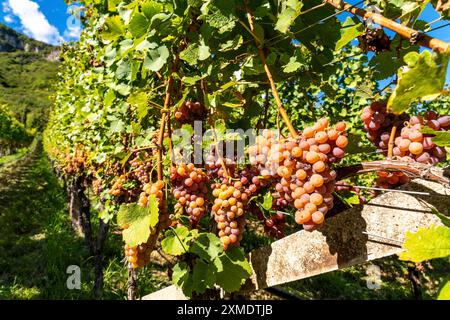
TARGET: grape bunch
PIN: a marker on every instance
(138, 256)
(301, 169)
(230, 204)
(387, 179)
(378, 123)
(190, 190)
(189, 112)
(413, 145)
(117, 188)
(141, 168)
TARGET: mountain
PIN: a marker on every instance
(11, 40)
(27, 70)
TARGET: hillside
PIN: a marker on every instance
(27, 69)
(11, 40)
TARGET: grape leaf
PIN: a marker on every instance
(207, 246)
(151, 8)
(137, 221)
(290, 10)
(182, 278)
(386, 63)
(190, 54)
(110, 96)
(156, 58)
(203, 276)
(424, 77)
(350, 29)
(426, 244)
(115, 28)
(441, 138)
(138, 25)
(444, 292)
(177, 240)
(232, 269)
(268, 201)
(124, 70)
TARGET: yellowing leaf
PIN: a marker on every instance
(444, 292)
(138, 221)
(423, 77)
(426, 244)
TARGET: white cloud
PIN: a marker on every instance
(72, 33)
(8, 18)
(33, 21)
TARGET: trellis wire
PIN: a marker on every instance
(392, 190)
(315, 23)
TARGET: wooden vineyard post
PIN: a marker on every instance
(407, 33)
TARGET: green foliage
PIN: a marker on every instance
(207, 263)
(441, 138)
(444, 293)
(12, 133)
(350, 30)
(426, 244)
(423, 77)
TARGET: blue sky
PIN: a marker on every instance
(50, 21)
(44, 20)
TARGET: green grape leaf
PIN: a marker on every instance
(349, 197)
(267, 201)
(156, 58)
(232, 269)
(182, 278)
(174, 246)
(441, 138)
(115, 28)
(292, 66)
(207, 246)
(203, 276)
(124, 70)
(221, 16)
(350, 30)
(138, 25)
(426, 244)
(151, 8)
(109, 98)
(444, 292)
(137, 221)
(386, 63)
(190, 54)
(175, 242)
(290, 10)
(423, 77)
(233, 44)
(203, 52)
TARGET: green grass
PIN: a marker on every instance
(37, 242)
(13, 157)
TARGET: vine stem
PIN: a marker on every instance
(164, 118)
(411, 169)
(391, 142)
(408, 33)
(216, 148)
(276, 95)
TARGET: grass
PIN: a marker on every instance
(13, 157)
(37, 243)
